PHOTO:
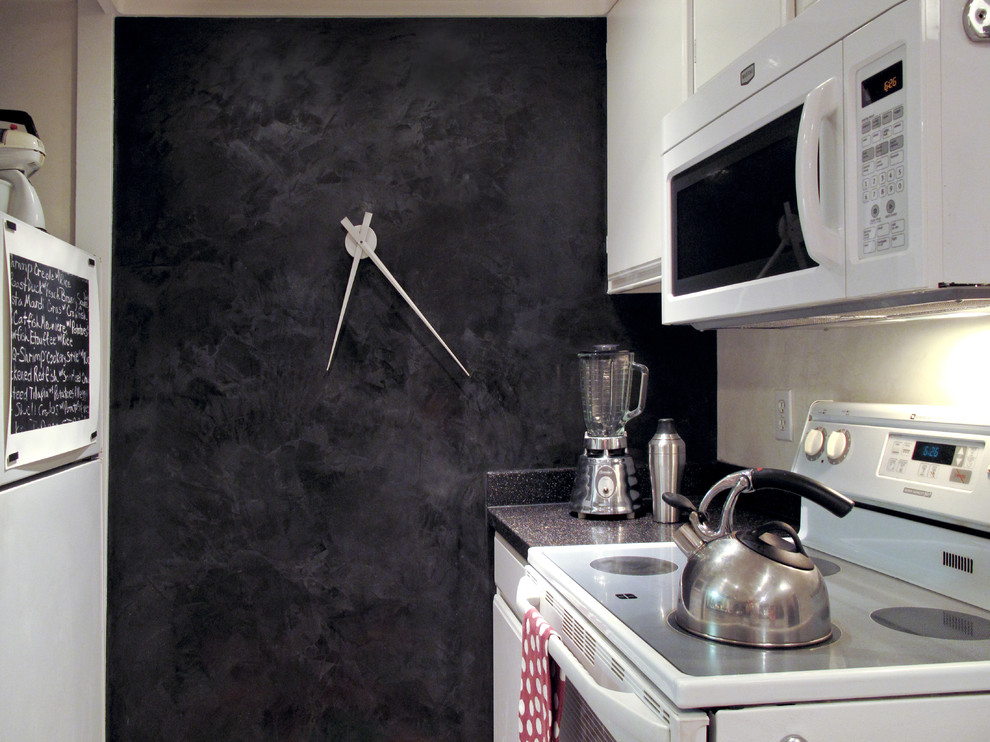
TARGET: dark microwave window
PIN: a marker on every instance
(735, 213)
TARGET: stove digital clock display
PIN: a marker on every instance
(933, 453)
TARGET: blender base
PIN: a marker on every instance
(605, 487)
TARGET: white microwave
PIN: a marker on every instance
(835, 172)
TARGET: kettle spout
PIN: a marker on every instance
(694, 534)
(689, 537)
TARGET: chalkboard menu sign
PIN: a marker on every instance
(51, 349)
(49, 346)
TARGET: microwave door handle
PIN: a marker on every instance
(616, 709)
(824, 244)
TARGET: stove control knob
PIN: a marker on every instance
(793, 738)
(837, 446)
(814, 443)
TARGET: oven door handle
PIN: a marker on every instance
(624, 714)
(824, 243)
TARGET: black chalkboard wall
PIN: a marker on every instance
(302, 555)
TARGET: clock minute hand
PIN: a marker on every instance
(356, 234)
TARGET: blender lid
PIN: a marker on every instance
(606, 348)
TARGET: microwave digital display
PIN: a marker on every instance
(886, 82)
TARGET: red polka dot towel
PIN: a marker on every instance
(542, 688)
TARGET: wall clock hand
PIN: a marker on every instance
(363, 236)
(370, 240)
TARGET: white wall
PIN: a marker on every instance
(37, 57)
(939, 361)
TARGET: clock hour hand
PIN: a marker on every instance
(358, 237)
(343, 307)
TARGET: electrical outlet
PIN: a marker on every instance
(782, 415)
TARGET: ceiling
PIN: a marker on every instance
(366, 8)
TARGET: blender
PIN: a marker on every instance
(605, 484)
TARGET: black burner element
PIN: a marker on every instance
(826, 567)
(634, 565)
(934, 623)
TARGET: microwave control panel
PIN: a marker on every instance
(882, 182)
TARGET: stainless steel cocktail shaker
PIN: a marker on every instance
(668, 455)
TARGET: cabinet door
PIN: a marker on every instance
(963, 718)
(507, 664)
(723, 31)
(649, 72)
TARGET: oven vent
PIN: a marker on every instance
(617, 669)
(656, 706)
(957, 561)
(576, 633)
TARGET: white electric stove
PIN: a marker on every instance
(908, 577)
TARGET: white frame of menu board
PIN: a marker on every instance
(25, 448)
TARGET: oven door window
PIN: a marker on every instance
(735, 213)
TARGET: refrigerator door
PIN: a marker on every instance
(52, 625)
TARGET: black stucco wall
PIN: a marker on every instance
(303, 555)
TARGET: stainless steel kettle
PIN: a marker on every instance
(755, 586)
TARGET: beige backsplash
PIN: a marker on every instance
(941, 362)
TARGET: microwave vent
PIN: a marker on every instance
(900, 307)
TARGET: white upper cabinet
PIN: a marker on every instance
(724, 30)
(649, 72)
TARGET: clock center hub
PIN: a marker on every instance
(370, 243)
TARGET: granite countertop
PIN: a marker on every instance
(531, 508)
(552, 524)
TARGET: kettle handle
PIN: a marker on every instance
(752, 479)
(836, 503)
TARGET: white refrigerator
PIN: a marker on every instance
(52, 507)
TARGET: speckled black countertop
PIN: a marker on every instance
(552, 524)
(531, 508)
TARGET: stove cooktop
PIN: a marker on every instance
(889, 636)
